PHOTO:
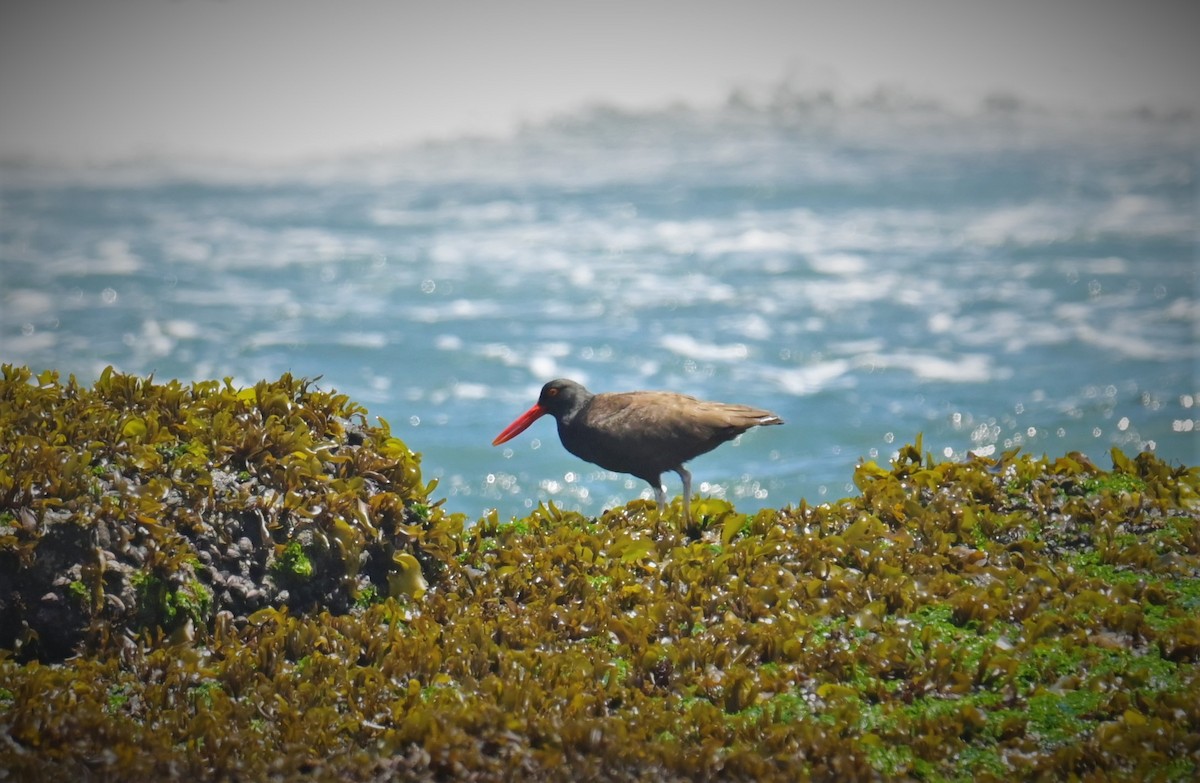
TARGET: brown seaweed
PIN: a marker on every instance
(1008, 618)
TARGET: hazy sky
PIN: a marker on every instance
(98, 79)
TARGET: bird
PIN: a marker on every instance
(642, 433)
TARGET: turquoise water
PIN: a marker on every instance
(1013, 277)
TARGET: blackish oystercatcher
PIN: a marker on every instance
(643, 433)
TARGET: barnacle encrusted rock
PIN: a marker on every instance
(137, 506)
(1015, 618)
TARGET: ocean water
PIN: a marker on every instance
(1010, 276)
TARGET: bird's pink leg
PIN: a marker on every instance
(687, 492)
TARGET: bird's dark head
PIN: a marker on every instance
(559, 398)
(562, 396)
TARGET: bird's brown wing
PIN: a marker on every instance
(640, 432)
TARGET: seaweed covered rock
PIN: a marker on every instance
(136, 506)
(991, 619)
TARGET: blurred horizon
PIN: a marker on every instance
(273, 82)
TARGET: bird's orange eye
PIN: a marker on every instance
(552, 392)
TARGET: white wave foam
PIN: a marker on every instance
(284, 337)
(181, 329)
(830, 295)
(1009, 329)
(758, 240)
(28, 344)
(1184, 309)
(1035, 223)
(752, 326)
(231, 294)
(151, 342)
(690, 347)
(1100, 266)
(373, 340)
(1125, 333)
(456, 310)
(837, 264)
(472, 391)
(682, 238)
(27, 303)
(187, 249)
(491, 213)
(540, 359)
(111, 256)
(811, 379)
(963, 368)
(115, 258)
(542, 366)
(858, 347)
(1144, 215)
(1118, 338)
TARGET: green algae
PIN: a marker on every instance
(293, 563)
(990, 619)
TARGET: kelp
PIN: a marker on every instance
(988, 619)
(133, 507)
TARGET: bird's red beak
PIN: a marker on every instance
(521, 424)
